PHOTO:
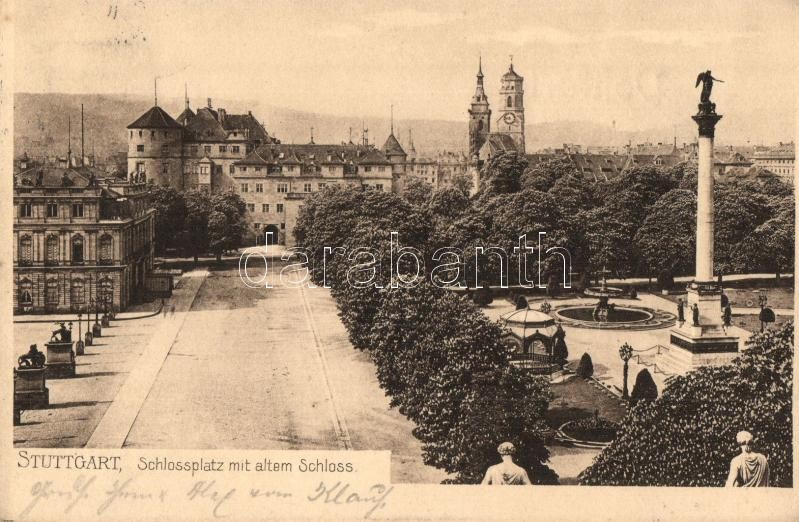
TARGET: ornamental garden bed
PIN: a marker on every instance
(591, 429)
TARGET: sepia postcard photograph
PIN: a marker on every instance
(377, 256)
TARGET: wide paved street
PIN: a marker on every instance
(270, 369)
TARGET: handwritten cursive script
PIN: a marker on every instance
(340, 494)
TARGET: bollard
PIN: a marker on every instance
(89, 338)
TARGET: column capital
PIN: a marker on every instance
(707, 119)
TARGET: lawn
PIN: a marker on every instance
(577, 398)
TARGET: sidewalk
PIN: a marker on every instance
(115, 425)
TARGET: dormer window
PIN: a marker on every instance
(281, 155)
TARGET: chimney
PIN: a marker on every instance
(222, 114)
(209, 103)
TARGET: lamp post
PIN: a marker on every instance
(88, 336)
(79, 344)
(626, 353)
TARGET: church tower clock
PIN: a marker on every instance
(511, 113)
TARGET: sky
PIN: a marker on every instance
(630, 62)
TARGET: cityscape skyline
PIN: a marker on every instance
(614, 69)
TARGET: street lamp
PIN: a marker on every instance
(79, 344)
(626, 353)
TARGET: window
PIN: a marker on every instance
(51, 294)
(307, 187)
(140, 134)
(194, 150)
(245, 187)
(251, 207)
(321, 186)
(257, 226)
(77, 210)
(244, 169)
(223, 148)
(106, 254)
(164, 149)
(52, 210)
(367, 169)
(77, 294)
(265, 207)
(282, 226)
(279, 208)
(290, 168)
(282, 187)
(235, 148)
(207, 149)
(140, 167)
(25, 210)
(77, 249)
(204, 169)
(25, 250)
(259, 187)
(257, 169)
(379, 187)
(164, 168)
(510, 101)
(139, 148)
(51, 252)
(381, 169)
(232, 168)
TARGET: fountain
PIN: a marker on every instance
(605, 314)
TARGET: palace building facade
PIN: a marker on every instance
(80, 242)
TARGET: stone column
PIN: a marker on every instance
(706, 119)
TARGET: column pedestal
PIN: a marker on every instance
(707, 343)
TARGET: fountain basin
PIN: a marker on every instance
(620, 314)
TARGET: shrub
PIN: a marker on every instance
(586, 367)
(687, 436)
(559, 350)
(483, 296)
(594, 429)
(521, 302)
(665, 280)
(644, 387)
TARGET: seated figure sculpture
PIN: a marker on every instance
(33, 359)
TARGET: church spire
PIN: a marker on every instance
(186, 94)
(479, 91)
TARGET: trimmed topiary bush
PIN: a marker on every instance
(482, 296)
(586, 367)
(644, 388)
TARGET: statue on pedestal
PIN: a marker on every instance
(706, 79)
(727, 316)
(749, 469)
(61, 335)
(506, 473)
(33, 359)
(695, 314)
(681, 311)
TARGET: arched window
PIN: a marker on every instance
(106, 256)
(52, 250)
(25, 295)
(25, 250)
(479, 125)
(510, 101)
(77, 248)
(105, 293)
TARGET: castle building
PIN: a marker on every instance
(80, 242)
(274, 179)
(195, 151)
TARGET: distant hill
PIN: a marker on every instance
(41, 126)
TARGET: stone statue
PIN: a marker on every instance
(61, 335)
(66, 181)
(727, 316)
(749, 469)
(39, 178)
(706, 79)
(724, 301)
(681, 310)
(506, 473)
(695, 313)
(33, 359)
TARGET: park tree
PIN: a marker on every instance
(737, 213)
(560, 351)
(463, 183)
(170, 217)
(449, 203)
(501, 174)
(666, 240)
(198, 207)
(687, 436)
(227, 222)
(544, 175)
(769, 247)
(417, 191)
(644, 387)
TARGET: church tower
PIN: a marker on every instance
(479, 116)
(511, 114)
